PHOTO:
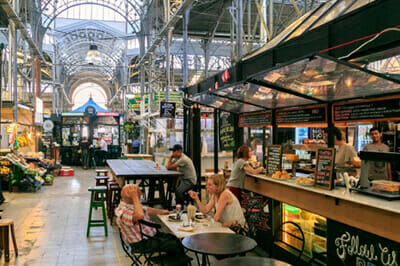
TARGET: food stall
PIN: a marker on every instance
(318, 92)
(90, 121)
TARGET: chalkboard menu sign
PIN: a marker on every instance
(351, 246)
(259, 119)
(274, 159)
(167, 109)
(324, 169)
(316, 114)
(226, 132)
(367, 110)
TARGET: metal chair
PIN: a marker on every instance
(294, 232)
(155, 257)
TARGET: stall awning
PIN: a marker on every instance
(86, 105)
(224, 104)
(327, 79)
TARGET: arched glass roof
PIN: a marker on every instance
(93, 9)
(74, 45)
(86, 91)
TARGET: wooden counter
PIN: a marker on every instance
(374, 215)
(131, 156)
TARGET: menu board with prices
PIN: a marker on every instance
(260, 119)
(226, 132)
(167, 109)
(316, 114)
(367, 110)
(324, 169)
(274, 158)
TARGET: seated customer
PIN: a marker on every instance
(178, 161)
(240, 168)
(130, 211)
(227, 206)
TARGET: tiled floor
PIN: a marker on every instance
(51, 226)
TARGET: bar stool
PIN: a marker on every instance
(95, 204)
(5, 226)
(100, 181)
(101, 172)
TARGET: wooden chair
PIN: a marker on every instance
(5, 226)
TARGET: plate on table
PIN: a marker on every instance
(200, 217)
(174, 218)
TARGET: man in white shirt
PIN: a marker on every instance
(103, 144)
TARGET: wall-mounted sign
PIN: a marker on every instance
(90, 111)
(315, 114)
(167, 109)
(367, 110)
(174, 96)
(259, 119)
(274, 158)
(324, 168)
(226, 132)
(107, 114)
(351, 246)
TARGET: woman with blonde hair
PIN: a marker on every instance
(226, 205)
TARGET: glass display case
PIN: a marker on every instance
(314, 228)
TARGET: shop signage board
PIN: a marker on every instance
(167, 109)
(315, 114)
(259, 119)
(226, 132)
(351, 246)
(324, 168)
(274, 158)
(90, 111)
(367, 110)
(134, 103)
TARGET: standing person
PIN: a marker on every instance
(136, 145)
(226, 205)
(378, 169)
(85, 152)
(239, 171)
(103, 144)
(344, 152)
(179, 161)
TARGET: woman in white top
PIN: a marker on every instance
(226, 205)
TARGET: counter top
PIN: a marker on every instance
(209, 154)
(341, 193)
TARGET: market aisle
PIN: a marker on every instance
(51, 226)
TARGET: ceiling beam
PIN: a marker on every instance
(8, 9)
(170, 24)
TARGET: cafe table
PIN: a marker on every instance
(127, 171)
(218, 244)
(248, 261)
(200, 226)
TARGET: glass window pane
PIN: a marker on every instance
(262, 96)
(336, 11)
(312, 18)
(328, 79)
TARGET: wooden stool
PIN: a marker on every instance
(95, 204)
(115, 197)
(5, 225)
(101, 172)
(100, 181)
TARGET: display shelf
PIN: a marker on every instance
(309, 147)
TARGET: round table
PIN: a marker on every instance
(223, 244)
(246, 261)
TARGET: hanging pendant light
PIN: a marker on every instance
(93, 54)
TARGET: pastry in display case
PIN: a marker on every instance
(314, 228)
